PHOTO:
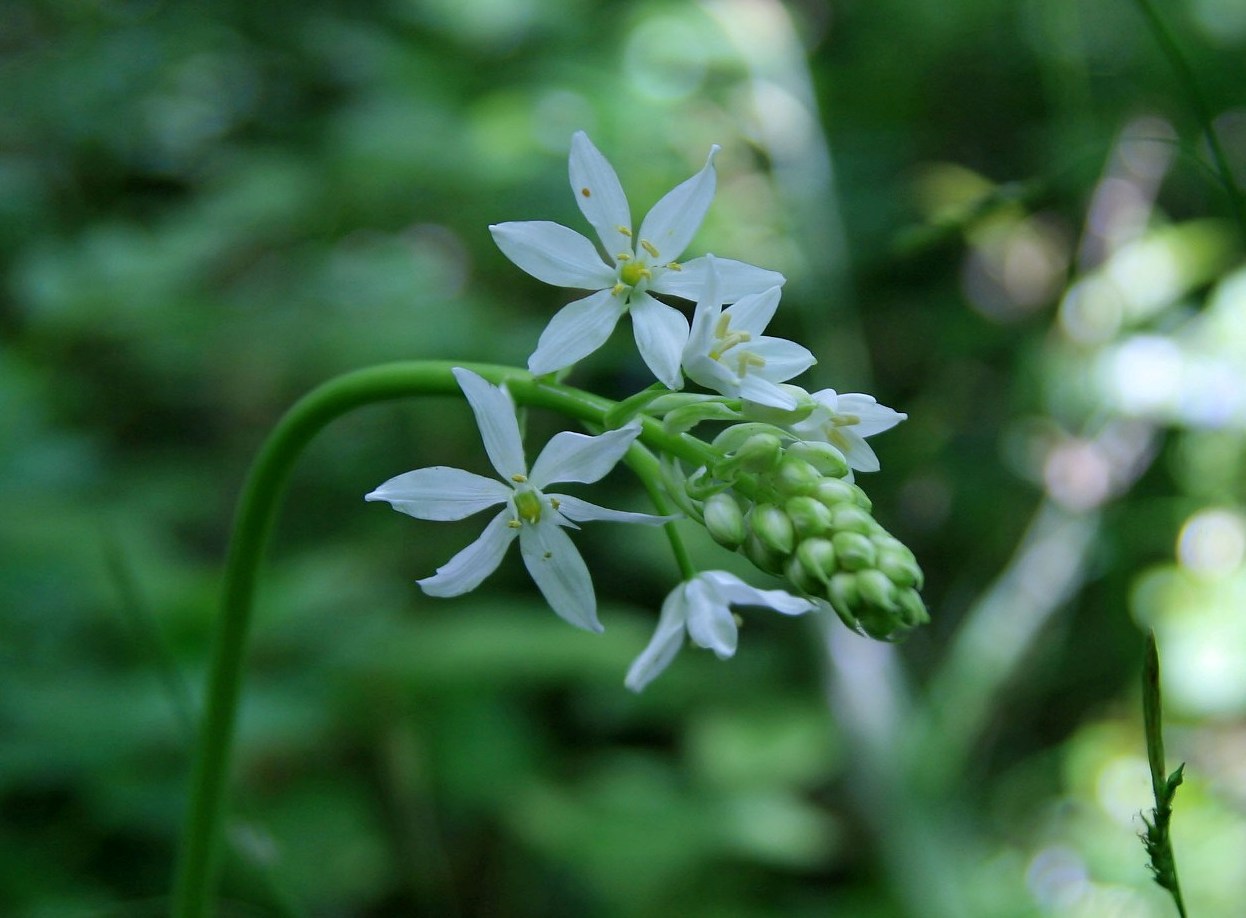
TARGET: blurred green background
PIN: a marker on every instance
(998, 217)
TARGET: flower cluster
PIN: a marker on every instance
(780, 488)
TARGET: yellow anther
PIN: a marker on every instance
(626, 231)
(555, 502)
(514, 524)
(649, 247)
(519, 479)
(674, 266)
(623, 256)
(618, 289)
(845, 420)
(722, 326)
(586, 192)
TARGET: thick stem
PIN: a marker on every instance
(195, 879)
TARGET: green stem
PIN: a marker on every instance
(1202, 111)
(194, 882)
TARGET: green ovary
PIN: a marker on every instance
(528, 506)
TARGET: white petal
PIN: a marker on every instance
(667, 639)
(574, 508)
(731, 589)
(753, 313)
(674, 220)
(784, 359)
(553, 253)
(759, 390)
(555, 564)
(576, 331)
(860, 455)
(578, 457)
(875, 418)
(468, 568)
(495, 416)
(706, 371)
(735, 278)
(599, 194)
(710, 624)
(441, 493)
(661, 332)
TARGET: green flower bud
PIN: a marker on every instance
(854, 551)
(822, 456)
(897, 562)
(800, 577)
(808, 516)
(878, 592)
(875, 622)
(817, 557)
(725, 520)
(912, 609)
(850, 518)
(796, 476)
(835, 491)
(773, 527)
(759, 453)
(842, 594)
(766, 559)
(860, 497)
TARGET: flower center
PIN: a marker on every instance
(528, 506)
(727, 340)
(634, 272)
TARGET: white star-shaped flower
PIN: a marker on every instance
(727, 352)
(702, 608)
(638, 264)
(532, 514)
(845, 421)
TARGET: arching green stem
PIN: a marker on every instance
(194, 883)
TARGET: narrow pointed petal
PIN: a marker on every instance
(665, 644)
(710, 624)
(576, 331)
(674, 220)
(578, 457)
(560, 573)
(735, 279)
(734, 591)
(860, 455)
(553, 253)
(705, 371)
(575, 508)
(753, 313)
(661, 332)
(784, 359)
(495, 416)
(875, 418)
(761, 391)
(599, 194)
(440, 493)
(465, 571)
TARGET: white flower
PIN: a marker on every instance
(728, 353)
(534, 515)
(845, 421)
(638, 264)
(701, 606)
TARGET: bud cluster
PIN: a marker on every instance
(791, 510)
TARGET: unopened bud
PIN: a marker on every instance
(817, 557)
(773, 527)
(897, 562)
(799, 577)
(759, 453)
(912, 609)
(808, 516)
(725, 520)
(822, 456)
(796, 476)
(850, 518)
(766, 558)
(854, 551)
(842, 594)
(835, 491)
(877, 591)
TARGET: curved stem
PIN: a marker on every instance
(257, 507)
